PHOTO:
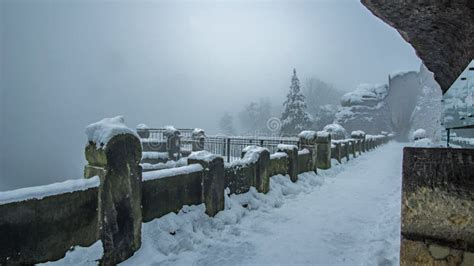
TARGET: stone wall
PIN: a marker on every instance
(438, 206)
(168, 194)
(38, 230)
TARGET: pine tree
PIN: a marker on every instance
(294, 118)
(226, 124)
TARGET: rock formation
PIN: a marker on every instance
(442, 32)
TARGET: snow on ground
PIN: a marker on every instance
(348, 215)
(81, 256)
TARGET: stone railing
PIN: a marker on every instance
(42, 223)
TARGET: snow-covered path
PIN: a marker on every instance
(353, 219)
(348, 215)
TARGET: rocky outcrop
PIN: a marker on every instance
(442, 32)
(365, 108)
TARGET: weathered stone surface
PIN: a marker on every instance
(36, 231)
(345, 149)
(305, 162)
(239, 178)
(278, 165)
(120, 215)
(163, 195)
(308, 141)
(421, 253)
(442, 32)
(352, 148)
(323, 144)
(213, 183)
(338, 152)
(292, 163)
(438, 196)
(262, 175)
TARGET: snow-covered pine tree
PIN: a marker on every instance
(294, 118)
(226, 124)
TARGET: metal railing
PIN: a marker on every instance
(231, 147)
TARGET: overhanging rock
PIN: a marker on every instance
(442, 32)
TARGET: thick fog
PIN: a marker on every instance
(66, 64)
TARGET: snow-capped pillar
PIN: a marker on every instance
(353, 148)
(359, 136)
(173, 142)
(199, 138)
(263, 172)
(262, 168)
(323, 148)
(292, 153)
(113, 153)
(213, 182)
(308, 141)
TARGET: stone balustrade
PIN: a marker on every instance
(118, 196)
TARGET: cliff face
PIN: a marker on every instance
(441, 31)
(404, 90)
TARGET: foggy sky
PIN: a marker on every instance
(66, 64)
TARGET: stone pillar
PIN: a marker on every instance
(359, 136)
(173, 144)
(262, 168)
(338, 151)
(292, 152)
(199, 138)
(346, 149)
(323, 148)
(308, 141)
(120, 215)
(213, 183)
(353, 148)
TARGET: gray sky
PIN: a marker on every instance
(66, 64)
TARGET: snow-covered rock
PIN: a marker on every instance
(404, 90)
(428, 111)
(103, 131)
(336, 131)
(419, 134)
(364, 108)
